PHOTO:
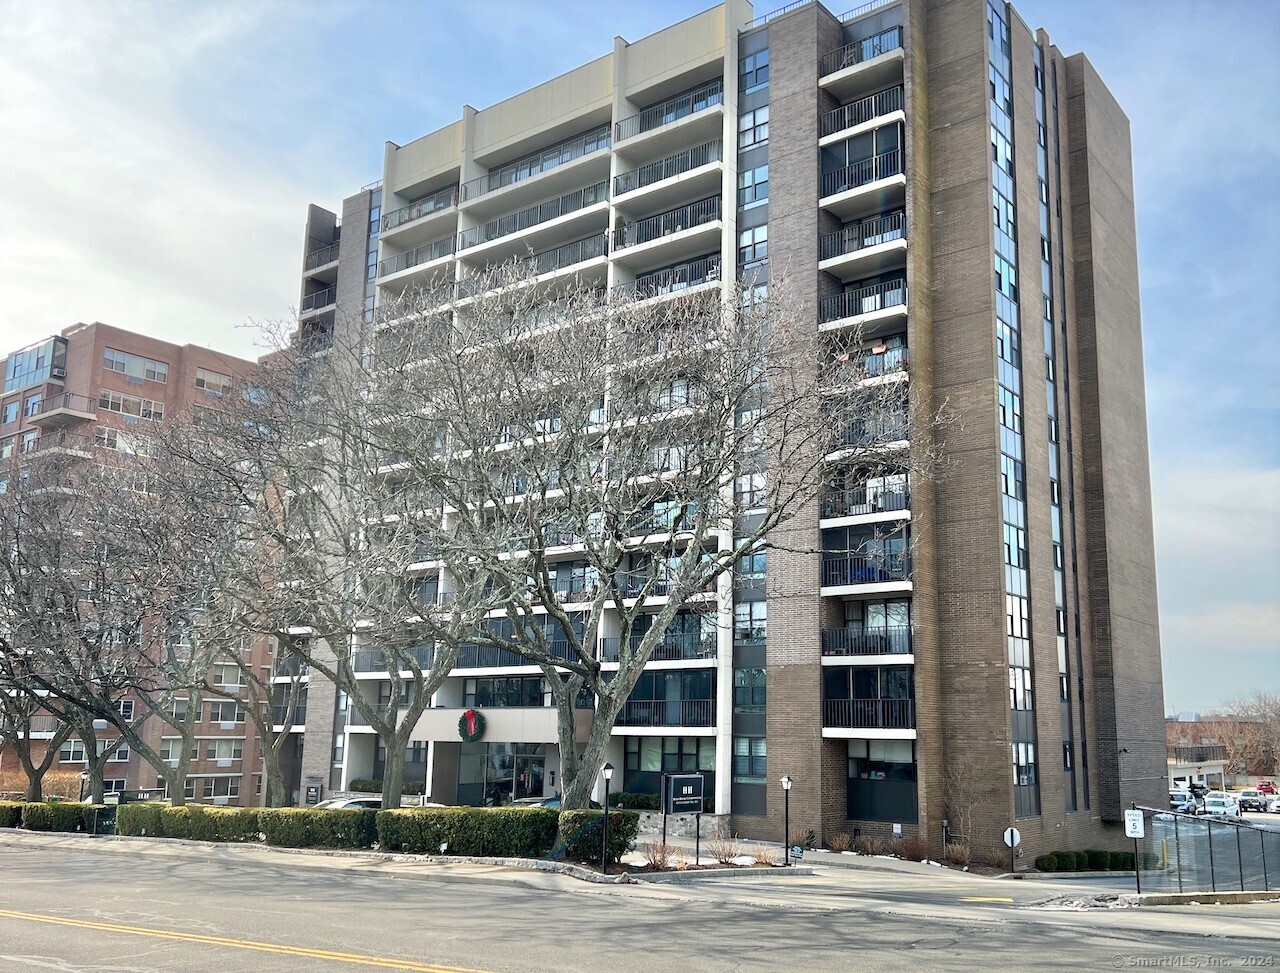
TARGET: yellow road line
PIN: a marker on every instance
(306, 952)
(963, 898)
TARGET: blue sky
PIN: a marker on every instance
(159, 159)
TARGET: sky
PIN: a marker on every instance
(158, 158)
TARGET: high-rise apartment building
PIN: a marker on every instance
(944, 179)
(96, 393)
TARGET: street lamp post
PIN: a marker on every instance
(786, 820)
(604, 849)
(84, 779)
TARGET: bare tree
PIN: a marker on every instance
(22, 715)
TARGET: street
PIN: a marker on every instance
(116, 907)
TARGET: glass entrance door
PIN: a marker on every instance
(529, 772)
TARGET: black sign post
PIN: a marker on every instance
(664, 810)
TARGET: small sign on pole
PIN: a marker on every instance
(1012, 838)
(1135, 827)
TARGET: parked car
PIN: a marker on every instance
(1252, 800)
(553, 801)
(1221, 807)
(340, 803)
(1177, 799)
(1267, 786)
(1274, 806)
(1188, 806)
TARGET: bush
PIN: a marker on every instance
(635, 802)
(840, 841)
(957, 854)
(913, 849)
(58, 816)
(765, 854)
(864, 844)
(139, 819)
(199, 823)
(725, 850)
(1096, 860)
(509, 832)
(581, 831)
(1046, 863)
(10, 814)
(415, 787)
(363, 785)
(300, 827)
(1121, 861)
(657, 854)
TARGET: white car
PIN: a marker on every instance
(1274, 806)
(1221, 807)
(341, 803)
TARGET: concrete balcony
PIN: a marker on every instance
(428, 265)
(865, 248)
(869, 719)
(863, 66)
(865, 574)
(652, 714)
(321, 264)
(874, 309)
(539, 227)
(581, 160)
(689, 174)
(873, 185)
(679, 234)
(695, 116)
(509, 724)
(63, 409)
(862, 115)
(425, 219)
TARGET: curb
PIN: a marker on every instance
(1202, 898)
(688, 877)
(1060, 876)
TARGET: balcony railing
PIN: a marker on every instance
(472, 656)
(893, 640)
(59, 440)
(533, 215)
(668, 712)
(419, 208)
(864, 300)
(857, 174)
(670, 280)
(873, 365)
(869, 714)
(65, 400)
(289, 666)
(538, 163)
(279, 713)
(418, 255)
(569, 254)
(1197, 755)
(670, 648)
(671, 110)
(664, 224)
(864, 234)
(862, 110)
(320, 299)
(377, 660)
(672, 165)
(840, 569)
(873, 430)
(318, 258)
(859, 500)
(859, 51)
(35, 724)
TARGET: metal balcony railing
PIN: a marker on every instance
(670, 280)
(863, 234)
(472, 656)
(58, 440)
(320, 299)
(664, 224)
(672, 647)
(857, 174)
(320, 257)
(862, 110)
(672, 165)
(859, 500)
(279, 713)
(667, 712)
(377, 660)
(290, 666)
(64, 400)
(36, 724)
(859, 51)
(869, 714)
(894, 640)
(537, 163)
(671, 110)
(419, 208)
(1197, 755)
(418, 255)
(872, 365)
(872, 430)
(533, 215)
(864, 300)
(842, 569)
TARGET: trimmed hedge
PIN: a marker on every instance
(10, 814)
(210, 823)
(300, 827)
(509, 832)
(635, 802)
(58, 816)
(1094, 860)
(139, 819)
(581, 832)
(365, 785)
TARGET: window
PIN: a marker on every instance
(753, 186)
(882, 780)
(135, 367)
(1024, 763)
(226, 711)
(121, 440)
(72, 752)
(121, 753)
(221, 787)
(750, 490)
(748, 690)
(130, 405)
(32, 405)
(506, 691)
(171, 749)
(751, 565)
(178, 710)
(226, 674)
(213, 383)
(672, 755)
(113, 786)
(11, 411)
(750, 621)
(125, 708)
(749, 764)
(753, 245)
(753, 127)
(339, 744)
(224, 750)
(753, 71)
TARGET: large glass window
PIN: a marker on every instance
(749, 763)
(753, 186)
(753, 127)
(749, 693)
(882, 780)
(135, 367)
(753, 71)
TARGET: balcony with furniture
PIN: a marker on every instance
(674, 235)
(874, 308)
(863, 64)
(865, 247)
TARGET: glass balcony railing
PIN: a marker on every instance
(419, 208)
(664, 224)
(862, 110)
(320, 257)
(533, 215)
(320, 299)
(671, 110)
(859, 174)
(869, 714)
(537, 163)
(859, 51)
(671, 166)
(893, 640)
(863, 234)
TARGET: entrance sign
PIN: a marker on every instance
(684, 794)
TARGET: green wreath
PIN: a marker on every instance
(471, 725)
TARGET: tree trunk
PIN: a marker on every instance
(277, 789)
(392, 775)
(35, 777)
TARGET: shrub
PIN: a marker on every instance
(914, 849)
(864, 844)
(657, 854)
(199, 823)
(1121, 861)
(725, 850)
(415, 787)
(10, 814)
(510, 832)
(1046, 863)
(635, 802)
(365, 785)
(57, 816)
(139, 819)
(300, 827)
(766, 854)
(581, 833)
(956, 854)
(804, 839)
(1097, 861)
(840, 841)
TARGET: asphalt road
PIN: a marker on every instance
(118, 911)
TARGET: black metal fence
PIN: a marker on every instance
(1201, 853)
